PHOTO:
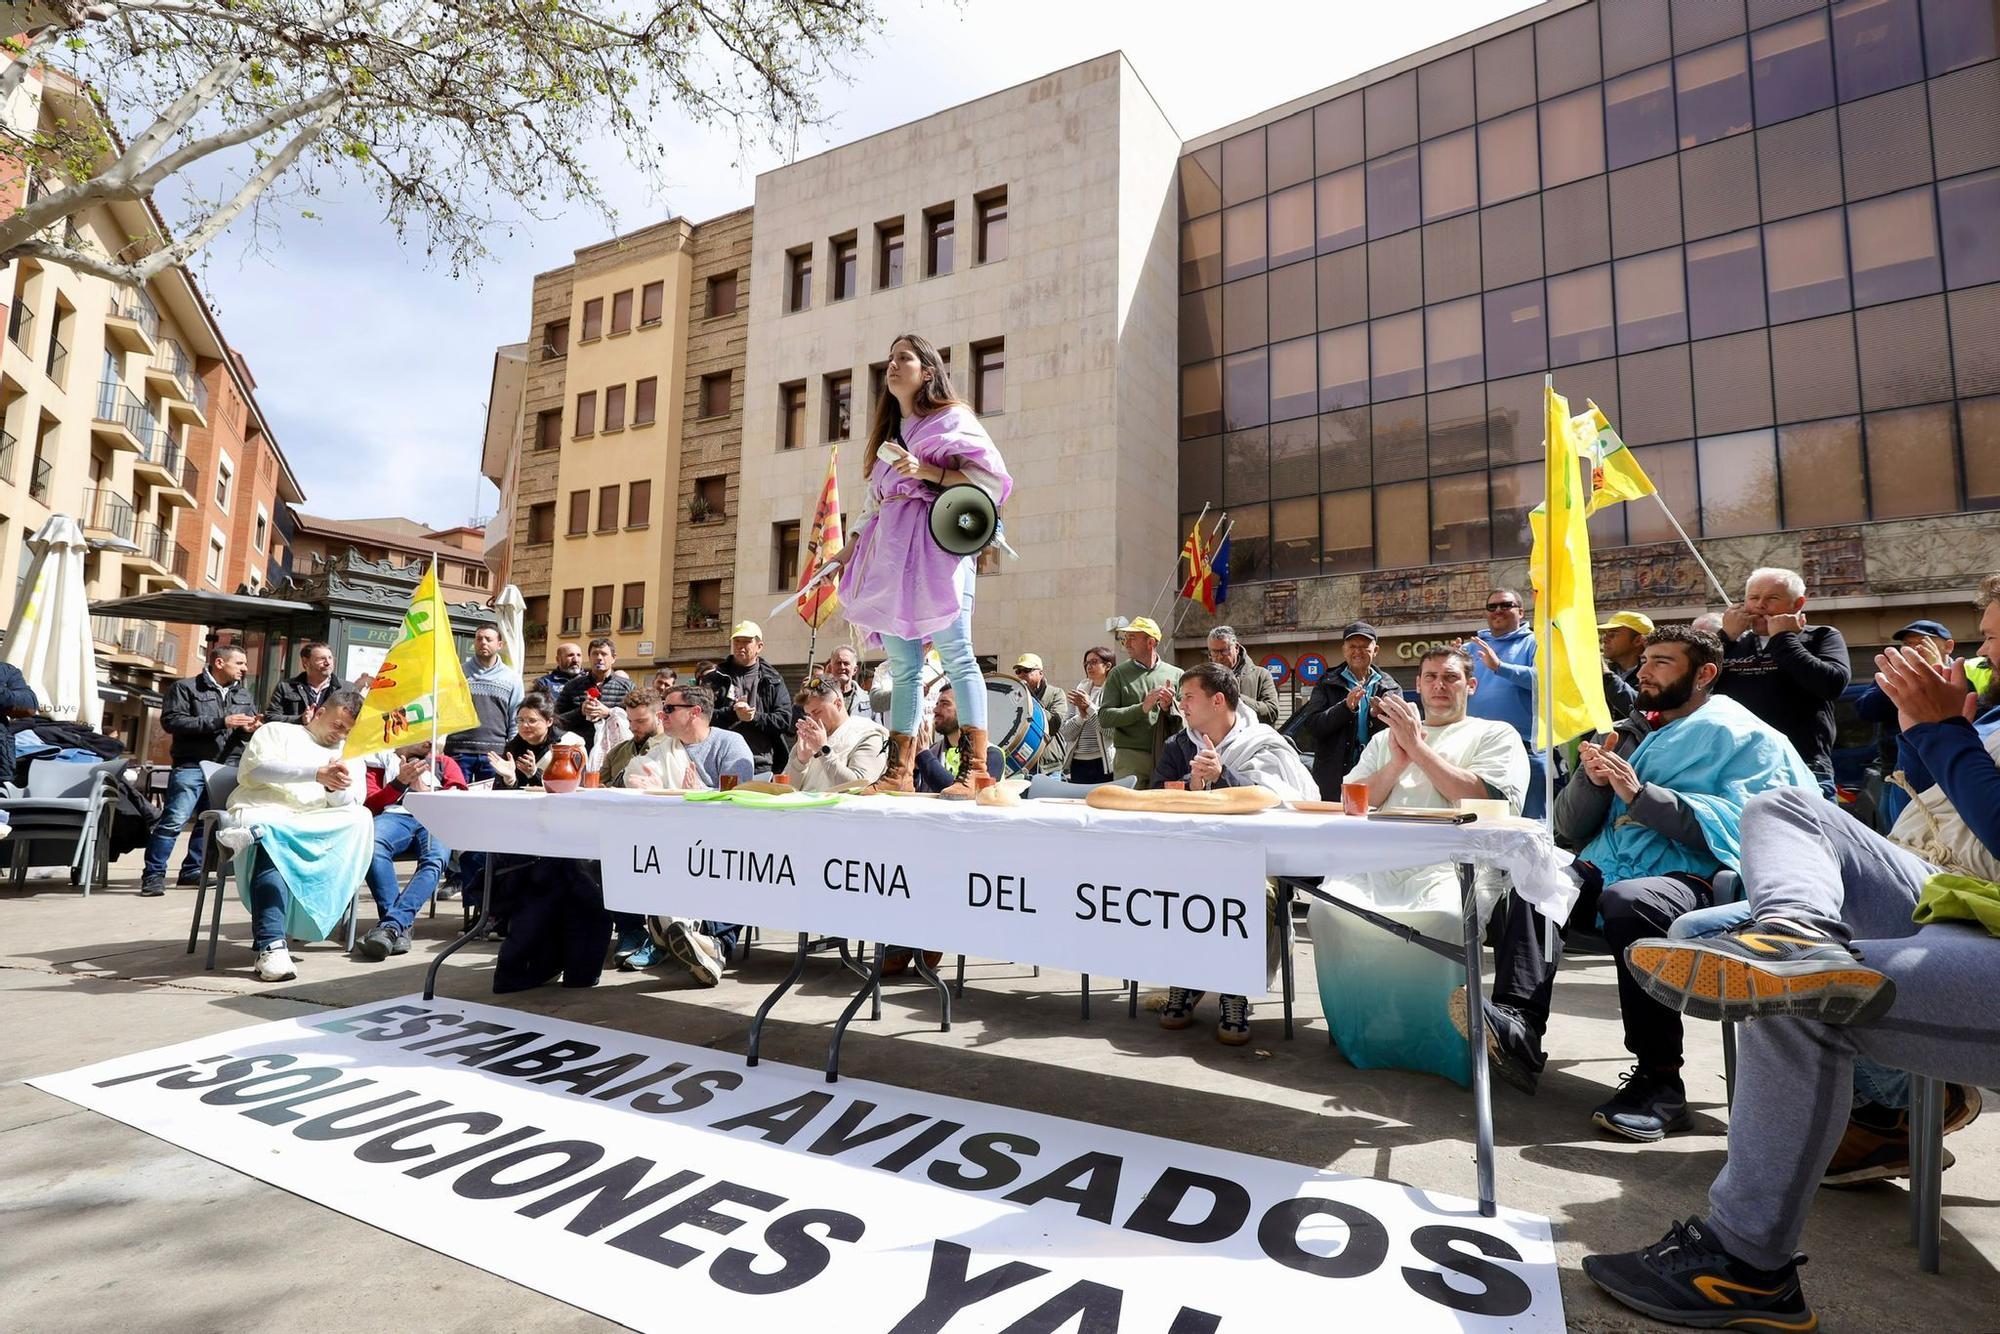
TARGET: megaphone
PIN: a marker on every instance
(963, 520)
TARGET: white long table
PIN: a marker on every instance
(1290, 844)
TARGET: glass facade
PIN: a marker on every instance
(1762, 235)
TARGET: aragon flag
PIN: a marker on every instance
(823, 538)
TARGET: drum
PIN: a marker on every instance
(1015, 724)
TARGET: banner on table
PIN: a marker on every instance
(668, 1187)
(1185, 911)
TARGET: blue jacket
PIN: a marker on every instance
(1507, 695)
(14, 694)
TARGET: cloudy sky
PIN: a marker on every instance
(373, 367)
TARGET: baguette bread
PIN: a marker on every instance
(1220, 801)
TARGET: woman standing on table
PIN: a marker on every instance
(896, 582)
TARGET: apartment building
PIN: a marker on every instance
(612, 433)
(460, 552)
(126, 409)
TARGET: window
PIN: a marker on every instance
(784, 557)
(1515, 338)
(555, 340)
(535, 618)
(262, 533)
(652, 303)
(593, 319)
(1451, 177)
(992, 228)
(1791, 69)
(989, 378)
(708, 498)
(639, 504)
(600, 609)
(1343, 210)
(1894, 242)
(572, 617)
(1713, 88)
(791, 415)
(1725, 277)
(1819, 466)
(704, 604)
(877, 376)
(614, 408)
(721, 295)
(841, 253)
(214, 560)
(607, 508)
(939, 230)
(1967, 208)
(1958, 34)
(632, 607)
(1638, 116)
(1739, 483)
(715, 394)
(1572, 137)
(1652, 303)
(1806, 266)
(837, 393)
(1580, 317)
(1875, 46)
(224, 472)
(1392, 194)
(621, 312)
(645, 401)
(799, 279)
(1910, 466)
(888, 255)
(548, 429)
(1508, 165)
(1397, 345)
(579, 513)
(542, 522)
(476, 576)
(586, 413)
(1454, 354)
(1291, 223)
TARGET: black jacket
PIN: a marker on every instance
(1337, 745)
(768, 730)
(292, 698)
(611, 692)
(193, 712)
(1791, 683)
(1177, 762)
(15, 693)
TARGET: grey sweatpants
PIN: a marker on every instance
(1805, 860)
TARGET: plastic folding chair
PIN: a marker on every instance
(66, 801)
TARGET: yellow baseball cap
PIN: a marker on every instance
(1142, 625)
(747, 630)
(1028, 662)
(1637, 622)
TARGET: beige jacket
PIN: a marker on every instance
(857, 753)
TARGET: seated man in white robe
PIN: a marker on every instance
(1226, 746)
(301, 835)
(1386, 999)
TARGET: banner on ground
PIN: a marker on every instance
(1186, 911)
(668, 1187)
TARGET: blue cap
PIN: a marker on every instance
(1931, 628)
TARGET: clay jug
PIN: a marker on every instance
(565, 769)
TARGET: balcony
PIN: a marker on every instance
(159, 463)
(21, 327)
(134, 643)
(190, 480)
(7, 443)
(57, 365)
(182, 563)
(133, 322)
(171, 375)
(106, 514)
(156, 549)
(39, 481)
(121, 420)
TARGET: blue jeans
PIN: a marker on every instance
(954, 646)
(186, 786)
(269, 895)
(474, 765)
(726, 935)
(1535, 802)
(398, 833)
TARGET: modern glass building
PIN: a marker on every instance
(1762, 235)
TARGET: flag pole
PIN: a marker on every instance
(1173, 574)
(1224, 526)
(1713, 582)
(1545, 651)
(436, 702)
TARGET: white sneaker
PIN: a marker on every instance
(697, 950)
(275, 965)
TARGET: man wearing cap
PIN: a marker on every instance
(1055, 704)
(1339, 716)
(1623, 641)
(1141, 708)
(1503, 663)
(751, 699)
(1934, 642)
(1254, 685)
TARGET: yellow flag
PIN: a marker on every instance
(420, 687)
(1569, 672)
(1615, 475)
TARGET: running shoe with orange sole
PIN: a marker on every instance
(1761, 969)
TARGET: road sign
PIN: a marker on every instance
(1278, 668)
(1311, 668)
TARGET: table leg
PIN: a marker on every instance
(847, 1015)
(1475, 1026)
(943, 991)
(791, 980)
(1086, 996)
(1283, 926)
(485, 912)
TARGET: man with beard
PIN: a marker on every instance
(1655, 812)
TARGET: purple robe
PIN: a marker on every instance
(896, 580)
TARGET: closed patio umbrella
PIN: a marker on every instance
(48, 637)
(508, 609)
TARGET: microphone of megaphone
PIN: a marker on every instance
(963, 520)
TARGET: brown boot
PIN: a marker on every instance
(902, 765)
(971, 765)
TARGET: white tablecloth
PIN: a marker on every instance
(1294, 843)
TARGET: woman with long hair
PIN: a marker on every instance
(895, 581)
(1089, 750)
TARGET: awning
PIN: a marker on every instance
(189, 606)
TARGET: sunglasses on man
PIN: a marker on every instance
(1501, 606)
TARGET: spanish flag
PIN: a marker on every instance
(1569, 672)
(419, 691)
(1615, 475)
(823, 539)
(1201, 580)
